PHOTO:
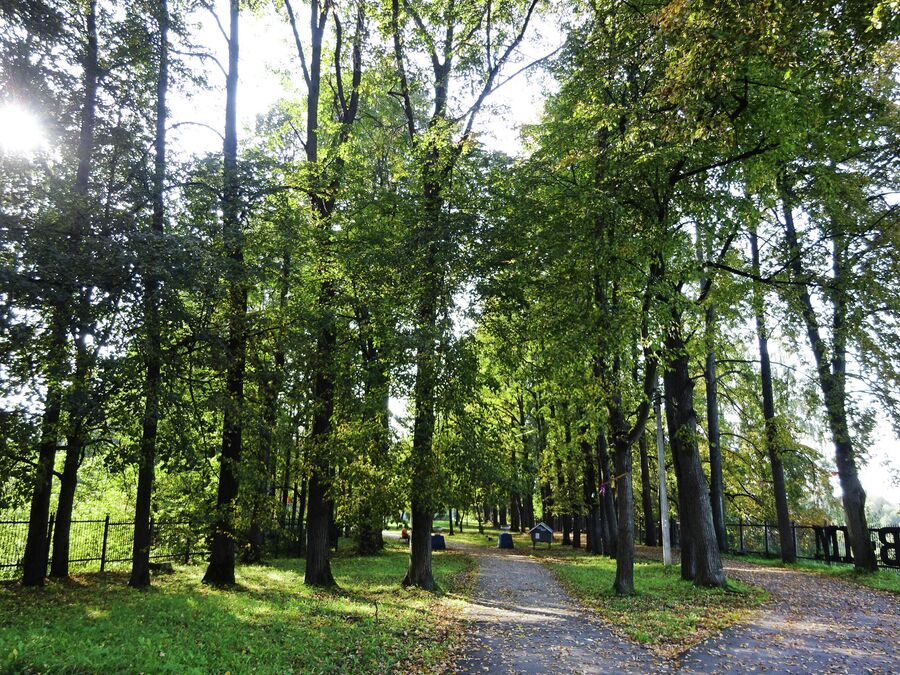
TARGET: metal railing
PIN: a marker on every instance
(96, 544)
(822, 543)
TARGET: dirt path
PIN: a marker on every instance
(524, 622)
(811, 623)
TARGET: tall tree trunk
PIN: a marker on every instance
(318, 540)
(610, 522)
(319, 507)
(220, 571)
(833, 385)
(647, 494)
(376, 399)
(59, 565)
(623, 439)
(34, 560)
(716, 483)
(696, 512)
(419, 572)
(140, 553)
(79, 396)
(785, 533)
(624, 582)
(590, 497)
(300, 506)
(529, 506)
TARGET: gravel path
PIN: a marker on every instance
(524, 622)
(811, 623)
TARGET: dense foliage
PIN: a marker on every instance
(219, 338)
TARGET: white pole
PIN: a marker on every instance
(661, 461)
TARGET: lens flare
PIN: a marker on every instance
(20, 131)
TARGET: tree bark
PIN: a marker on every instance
(140, 554)
(607, 502)
(624, 582)
(785, 533)
(34, 560)
(832, 382)
(716, 482)
(696, 512)
(59, 565)
(590, 497)
(650, 538)
(78, 397)
(300, 505)
(220, 571)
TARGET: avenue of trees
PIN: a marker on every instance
(705, 217)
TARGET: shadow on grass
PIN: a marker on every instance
(270, 622)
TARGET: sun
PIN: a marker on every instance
(20, 132)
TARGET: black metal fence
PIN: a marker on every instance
(104, 543)
(823, 543)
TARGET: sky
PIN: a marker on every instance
(268, 55)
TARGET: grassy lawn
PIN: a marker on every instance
(270, 624)
(667, 614)
(882, 580)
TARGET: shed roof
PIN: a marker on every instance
(541, 525)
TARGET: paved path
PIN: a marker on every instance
(524, 622)
(811, 623)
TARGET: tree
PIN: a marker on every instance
(140, 558)
(438, 153)
(220, 571)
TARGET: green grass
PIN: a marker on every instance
(882, 580)
(470, 535)
(666, 613)
(270, 624)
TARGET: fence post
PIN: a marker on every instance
(741, 533)
(105, 539)
(49, 537)
(766, 535)
(187, 545)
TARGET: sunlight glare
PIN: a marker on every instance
(20, 131)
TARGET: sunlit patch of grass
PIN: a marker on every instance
(271, 623)
(666, 613)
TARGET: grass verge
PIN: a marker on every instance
(270, 624)
(666, 614)
(882, 580)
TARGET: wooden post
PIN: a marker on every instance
(766, 535)
(105, 539)
(661, 463)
